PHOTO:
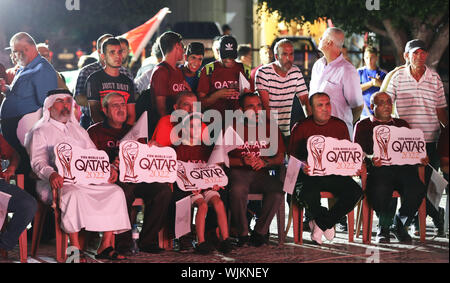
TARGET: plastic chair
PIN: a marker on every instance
(61, 236)
(23, 237)
(280, 216)
(297, 215)
(367, 212)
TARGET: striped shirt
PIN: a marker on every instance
(281, 92)
(416, 101)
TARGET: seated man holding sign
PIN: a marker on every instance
(263, 148)
(385, 172)
(106, 136)
(87, 197)
(329, 167)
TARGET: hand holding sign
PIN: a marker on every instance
(142, 163)
(199, 176)
(330, 156)
(398, 146)
(80, 166)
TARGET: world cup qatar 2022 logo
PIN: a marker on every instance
(182, 175)
(64, 154)
(383, 135)
(317, 146)
(130, 152)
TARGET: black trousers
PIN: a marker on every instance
(346, 191)
(382, 181)
(157, 198)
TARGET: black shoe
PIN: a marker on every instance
(153, 249)
(401, 232)
(203, 248)
(257, 239)
(306, 226)
(342, 224)
(242, 241)
(225, 246)
(383, 236)
(439, 223)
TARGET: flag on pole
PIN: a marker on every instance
(139, 36)
(139, 130)
(230, 141)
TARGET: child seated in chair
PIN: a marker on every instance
(191, 149)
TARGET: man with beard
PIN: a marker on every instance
(279, 83)
(249, 170)
(97, 208)
(26, 94)
(109, 80)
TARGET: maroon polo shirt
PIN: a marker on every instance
(364, 131)
(335, 128)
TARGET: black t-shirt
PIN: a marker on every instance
(99, 84)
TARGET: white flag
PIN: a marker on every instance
(26, 123)
(243, 83)
(139, 130)
(436, 188)
(230, 141)
(4, 200)
(183, 217)
(294, 167)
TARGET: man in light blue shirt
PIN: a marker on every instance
(27, 92)
(338, 78)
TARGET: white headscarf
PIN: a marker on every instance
(52, 96)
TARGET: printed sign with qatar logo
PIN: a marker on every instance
(398, 145)
(199, 176)
(81, 166)
(330, 156)
(140, 163)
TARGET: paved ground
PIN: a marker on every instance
(435, 250)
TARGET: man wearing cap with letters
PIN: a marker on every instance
(218, 87)
(419, 98)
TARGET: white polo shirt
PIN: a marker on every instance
(340, 80)
(416, 101)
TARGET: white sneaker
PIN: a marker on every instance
(316, 232)
(329, 234)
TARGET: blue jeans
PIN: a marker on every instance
(24, 206)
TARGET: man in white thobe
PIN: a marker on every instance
(97, 208)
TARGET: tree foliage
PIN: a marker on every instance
(398, 20)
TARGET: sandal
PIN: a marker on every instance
(109, 253)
